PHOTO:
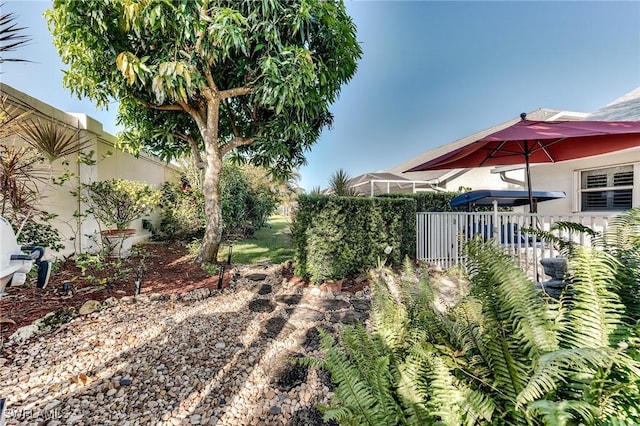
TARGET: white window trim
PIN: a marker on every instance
(577, 185)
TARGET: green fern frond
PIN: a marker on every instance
(361, 368)
(622, 240)
(509, 298)
(594, 317)
(413, 392)
(354, 402)
(389, 317)
(560, 413)
(553, 368)
(446, 398)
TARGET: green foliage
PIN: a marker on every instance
(117, 202)
(37, 230)
(428, 201)
(436, 201)
(505, 354)
(339, 184)
(102, 269)
(246, 201)
(182, 216)
(21, 177)
(338, 236)
(250, 79)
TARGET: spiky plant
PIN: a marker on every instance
(21, 174)
(505, 354)
(11, 36)
(12, 119)
(339, 184)
(316, 190)
(51, 139)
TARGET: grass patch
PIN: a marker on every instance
(272, 242)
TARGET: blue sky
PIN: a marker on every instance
(432, 72)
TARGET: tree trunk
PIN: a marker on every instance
(211, 187)
(212, 208)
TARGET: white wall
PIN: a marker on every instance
(482, 178)
(560, 177)
(58, 198)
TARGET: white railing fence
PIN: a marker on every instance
(441, 236)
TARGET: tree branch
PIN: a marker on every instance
(236, 142)
(195, 113)
(232, 93)
(195, 150)
(160, 107)
(204, 16)
(211, 82)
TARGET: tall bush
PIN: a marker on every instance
(338, 236)
(505, 354)
(182, 216)
(246, 201)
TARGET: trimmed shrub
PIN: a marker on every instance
(338, 236)
(429, 201)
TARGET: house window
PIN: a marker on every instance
(607, 189)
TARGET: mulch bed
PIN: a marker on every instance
(167, 268)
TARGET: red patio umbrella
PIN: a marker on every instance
(530, 141)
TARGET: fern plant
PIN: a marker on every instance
(505, 354)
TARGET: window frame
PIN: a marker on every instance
(580, 191)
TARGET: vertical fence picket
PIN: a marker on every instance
(440, 236)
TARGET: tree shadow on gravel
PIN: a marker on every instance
(179, 374)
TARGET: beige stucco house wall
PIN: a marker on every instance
(619, 171)
(565, 176)
(79, 234)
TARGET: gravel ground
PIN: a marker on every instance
(205, 357)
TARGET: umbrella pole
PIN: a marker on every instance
(532, 207)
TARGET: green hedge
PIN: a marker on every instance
(338, 236)
(429, 201)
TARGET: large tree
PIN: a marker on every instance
(253, 78)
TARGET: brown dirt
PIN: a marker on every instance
(167, 269)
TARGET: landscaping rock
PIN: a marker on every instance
(24, 333)
(261, 305)
(89, 307)
(291, 374)
(277, 326)
(301, 315)
(223, 360)
(309, 416)
(312, 338)
(334, 304)
(265, 289)
(348, 317)
(288, 299)
(257, 277)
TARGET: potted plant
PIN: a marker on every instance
(115, 203)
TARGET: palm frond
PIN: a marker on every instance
(11, 36)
